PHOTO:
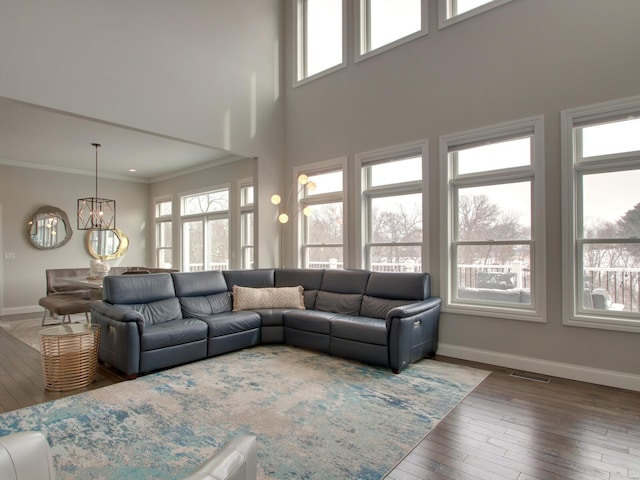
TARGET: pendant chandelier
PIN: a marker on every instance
(96, 213)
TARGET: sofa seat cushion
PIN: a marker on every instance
(205, 305)
(172, 333)
(360, 329)
(272, 317)
(309, 320)
(229, 323)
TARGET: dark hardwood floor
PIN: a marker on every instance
(21, 380)
(507, 428)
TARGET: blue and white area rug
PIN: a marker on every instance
(315, 416)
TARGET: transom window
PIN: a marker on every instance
(322, 226)
(495, 207)
(602, 174)
(320, 33)
(205, 231)
(386, 23)
(453, 11)
(392, 210)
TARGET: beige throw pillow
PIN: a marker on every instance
(246, 298)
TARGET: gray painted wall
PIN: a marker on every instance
(22, 192)
(526, 58)
(203, 71)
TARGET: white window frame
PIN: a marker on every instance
(204, 217)
(157, 221)
(445, 8)
(245, 209)
(362, 34)
(337, 164)
(573, 312)
(300, 76)
(533, 126)
(398, 152)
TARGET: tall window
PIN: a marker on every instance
(320, 33)
(493, 241)
(452, 11)
(322, 223)
(163, 211)
(392, 210)
(602, 205)
(386, 23)
(246, 227)
(205, 231)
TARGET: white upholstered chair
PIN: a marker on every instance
(27, 456)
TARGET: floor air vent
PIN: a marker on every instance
(530, 376)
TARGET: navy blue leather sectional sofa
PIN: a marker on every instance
(150, 322)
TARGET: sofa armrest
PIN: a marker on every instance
(413, 309)
(26, 455)
(237, 460)
(413, 332)
(116, 313)
(120, 331)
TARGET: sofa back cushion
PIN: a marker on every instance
(310, 279)
(263, 277)
(159, 311)
(387, 290)
(197, 284)
(399, 286)
(137, 289)
(205, 305)
(341, 291)
(202, 293)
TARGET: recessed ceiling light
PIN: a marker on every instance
(132, 170)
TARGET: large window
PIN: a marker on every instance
(205, 231)
(162, 214)
(602, 210)
(246, 227)
(386, 23)
(493, 242)
(452, 11)
(320, 37)
(392, 210)
(322, 223)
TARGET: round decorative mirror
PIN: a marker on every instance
(49, 228)
(106, 244)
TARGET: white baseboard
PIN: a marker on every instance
(581, 373)
(21, 310)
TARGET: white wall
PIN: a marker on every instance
(22, 192)
(525, 58)
(206, 71)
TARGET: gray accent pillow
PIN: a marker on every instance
(348, 303)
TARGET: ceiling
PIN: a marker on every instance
(37, 137)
